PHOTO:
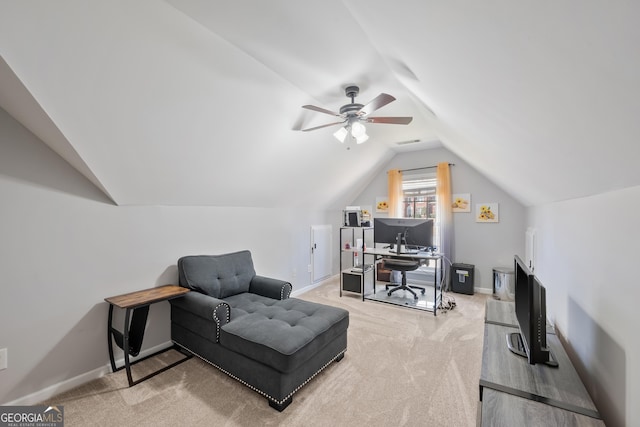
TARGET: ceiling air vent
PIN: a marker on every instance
(412, 141)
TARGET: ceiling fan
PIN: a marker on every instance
(353, 115)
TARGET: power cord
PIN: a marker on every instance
(447, 303)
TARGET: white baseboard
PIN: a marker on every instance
(477, 290)
(298, 292)
(301, 291)
(61, 387)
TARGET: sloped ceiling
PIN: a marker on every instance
(197, 102)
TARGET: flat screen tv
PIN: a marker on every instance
(404, 235)
(530, 301)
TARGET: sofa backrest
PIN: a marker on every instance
(219, 276)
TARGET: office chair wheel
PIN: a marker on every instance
(388, 293)
(422, 292)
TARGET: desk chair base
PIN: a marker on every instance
(403, 266)
(407, 288)
(397, 285)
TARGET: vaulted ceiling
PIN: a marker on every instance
(197, 102)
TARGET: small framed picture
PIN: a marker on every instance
(382, 204)
(487, 212)
(461, 202)
(366, 214)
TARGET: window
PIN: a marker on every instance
(419, 196)
(419, 199)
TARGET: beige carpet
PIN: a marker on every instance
(403, 367)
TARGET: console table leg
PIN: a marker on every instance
(109, 338)
(127, 364)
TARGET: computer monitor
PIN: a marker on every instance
(404, 234)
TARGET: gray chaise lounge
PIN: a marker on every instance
(248, 327)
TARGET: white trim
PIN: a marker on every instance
(477, 290)
(61, 387)
(301, 291)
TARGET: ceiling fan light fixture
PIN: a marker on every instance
(358, 129)
(359, 132)
(361, 138)
(341, 134)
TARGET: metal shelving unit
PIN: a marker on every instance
(352, 267)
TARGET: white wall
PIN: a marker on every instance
(64, 248)
(587, 257)
(485, 245)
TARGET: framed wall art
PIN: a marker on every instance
(461, 202)
(487, 212)
(382, 204)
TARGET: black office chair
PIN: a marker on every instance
(402, 265)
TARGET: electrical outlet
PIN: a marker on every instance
(308, 268)
(3, 358)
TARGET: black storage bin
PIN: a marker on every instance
(462, 278)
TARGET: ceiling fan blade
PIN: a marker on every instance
(377, 102)
(321, 110)
(390, 120)
(323, 126)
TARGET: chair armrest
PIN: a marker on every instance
(205, 306)
(270, 288)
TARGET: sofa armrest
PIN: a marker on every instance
(205, 306)
(270, 288)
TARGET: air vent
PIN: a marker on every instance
(413, 141)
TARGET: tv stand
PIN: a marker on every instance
(516, 345)
(514, 392)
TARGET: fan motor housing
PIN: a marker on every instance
(350, 109)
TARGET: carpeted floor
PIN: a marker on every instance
(403, 367)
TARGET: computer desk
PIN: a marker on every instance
(379, 253)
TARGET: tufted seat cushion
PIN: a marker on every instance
(282, 334)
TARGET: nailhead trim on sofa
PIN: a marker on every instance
(217, 320)
(279, 402)
(285, 288)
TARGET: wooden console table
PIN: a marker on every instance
(130, 340)
(513, 392)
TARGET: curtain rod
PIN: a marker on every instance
(426, 167)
